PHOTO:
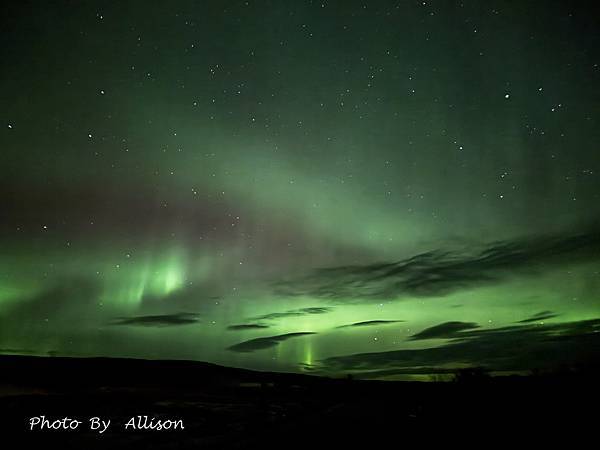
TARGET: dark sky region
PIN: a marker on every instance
(382, 188)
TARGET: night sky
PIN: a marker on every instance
(382, 188)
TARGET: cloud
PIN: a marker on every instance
(292, 313)
(442, 272)
(369, 323)
(512, 348)
(255, 322)
(446, 330)
(544, 315)
(248, 326)
(265, 342)
(164, 320)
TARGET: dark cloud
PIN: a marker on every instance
(248, 326)
(369, 323)
(441, 272)
(292, 313)
(255, 322)
(544, 315)
(446, 330)
(513, 348)
(265, 342)
(163, 320)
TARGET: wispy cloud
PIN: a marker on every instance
(292, 313)
(256, 323)
(512, 348)
(544, 315)
(446, 330)
(163, 320)
(370, 323)
(265, 342)
(441, 272)
(248, 326)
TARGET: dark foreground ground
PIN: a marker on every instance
(233, 408)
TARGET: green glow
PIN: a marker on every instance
(308, 353)
(169, 277)
(162, 200)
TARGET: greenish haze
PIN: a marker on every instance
(176, 178)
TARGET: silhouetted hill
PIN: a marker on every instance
(234, 408)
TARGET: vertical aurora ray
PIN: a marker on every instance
(308, 353)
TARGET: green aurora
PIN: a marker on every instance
(378, 188)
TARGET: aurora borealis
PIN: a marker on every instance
(386, 188)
